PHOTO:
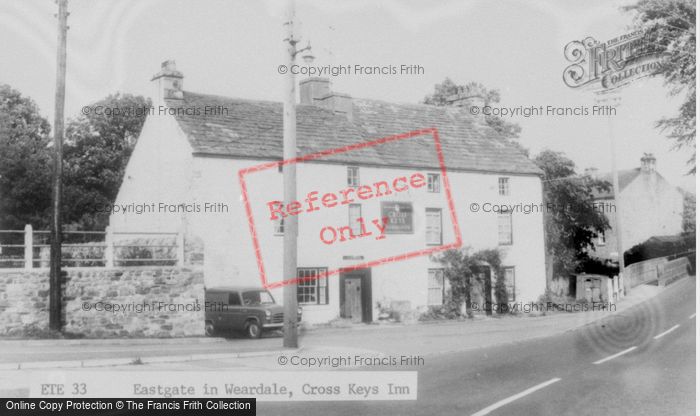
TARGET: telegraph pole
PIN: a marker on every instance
(616, 194)
(289, 173)
(614, 100)
(55, 266)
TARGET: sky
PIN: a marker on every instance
(234, 48)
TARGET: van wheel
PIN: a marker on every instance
(253, 330)
(209, 329)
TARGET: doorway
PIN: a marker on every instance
(356, 295)
(482, 274)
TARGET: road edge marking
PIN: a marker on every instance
(602, 360)
(515, 397)
(671, 329)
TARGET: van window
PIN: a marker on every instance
(234, 299)
(257, 297)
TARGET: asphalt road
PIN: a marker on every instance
(638, 362)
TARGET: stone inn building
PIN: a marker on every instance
(184, 175)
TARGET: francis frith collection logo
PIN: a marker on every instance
(612, 64)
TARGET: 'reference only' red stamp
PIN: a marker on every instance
(389, 234)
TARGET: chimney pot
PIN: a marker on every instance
(648, 163)
(168, 65)
(465, 99)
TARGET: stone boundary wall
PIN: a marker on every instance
(673, 270)
(149, 301)
(642, 272)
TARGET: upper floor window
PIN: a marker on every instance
(505, 229)
(503, 186)
(353, 176)
(433, 226)
(434, 182)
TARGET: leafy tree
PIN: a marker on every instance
(572, 219)
(25, 162)
(671, 24)
(98, 146)
(689, 213)
(448, 88)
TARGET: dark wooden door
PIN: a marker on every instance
(488, 300)
(356, 295)
(353, 298)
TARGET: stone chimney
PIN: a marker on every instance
(337, 102)
(313, 88)
(468, 99)
(648, 163)
(167, 83)
(317, 91)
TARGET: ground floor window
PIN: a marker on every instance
(509, 280)
(313, 290)
(436, 286)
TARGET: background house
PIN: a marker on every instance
(189, 157)
(650, 205)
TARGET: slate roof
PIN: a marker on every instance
(253, 129)
(625, 177)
